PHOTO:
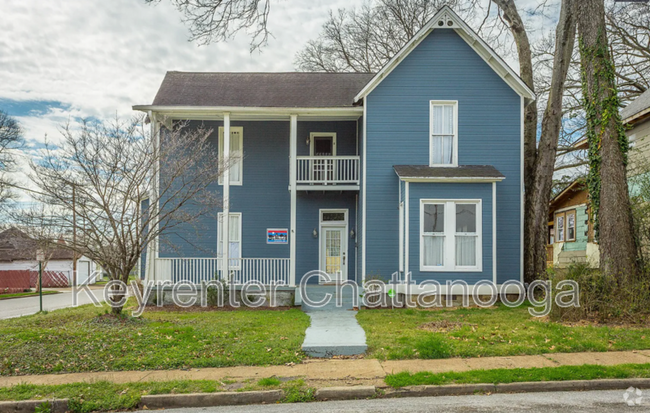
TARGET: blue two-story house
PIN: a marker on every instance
(415, 170)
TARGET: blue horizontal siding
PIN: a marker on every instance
(264, 199)
(308, 219)
(442, 67)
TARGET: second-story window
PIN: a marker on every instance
(236, 154)
(443, 143)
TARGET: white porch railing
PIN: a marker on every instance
(328, 170)
(197, 270)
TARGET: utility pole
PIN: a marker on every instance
(74, 237)
(40, 256)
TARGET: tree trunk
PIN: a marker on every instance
(608, 145)
(540, 193)
(518, 31)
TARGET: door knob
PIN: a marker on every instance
(343, 258)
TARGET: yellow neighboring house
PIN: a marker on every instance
(570, 231)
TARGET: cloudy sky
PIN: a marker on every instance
(74, 59)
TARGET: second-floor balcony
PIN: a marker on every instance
(327, 173)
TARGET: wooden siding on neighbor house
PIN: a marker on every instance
(639, 155)
(442, 67)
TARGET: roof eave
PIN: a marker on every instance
(637, 117)
(450, 179)
(247, 109)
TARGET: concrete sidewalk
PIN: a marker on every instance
(345, 370)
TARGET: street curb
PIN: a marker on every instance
(28, 406)
(345, 393)
(522, 387)
(161, 401)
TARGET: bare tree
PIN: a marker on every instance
(101, 174)
(607, 179)
(11, 138)
(364, 39)
(219, 20)
(542, 176)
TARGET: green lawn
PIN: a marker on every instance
(585, 372)
(76, 340)
(27, 294)
(108, 396)
(474, 332)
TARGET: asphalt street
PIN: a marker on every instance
(587, 402)
(17, 307)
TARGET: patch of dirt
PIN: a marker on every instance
(593, 322)
(119, 320)
(443, 326)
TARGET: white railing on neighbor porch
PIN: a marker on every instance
(328, 170)
(198, 270)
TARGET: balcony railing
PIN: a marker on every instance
(242, 270)
(328, 170)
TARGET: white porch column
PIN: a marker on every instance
(152, 246)
(293, 126)
(225, 221)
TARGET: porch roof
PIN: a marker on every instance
(425, 173)
(270, 90)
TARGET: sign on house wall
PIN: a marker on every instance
(277, 236)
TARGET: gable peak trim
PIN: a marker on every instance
(446, 18)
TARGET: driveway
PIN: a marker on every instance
(17, 307)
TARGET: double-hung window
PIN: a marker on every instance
(234, 228)
(235, 160)
(571, 225)
(443, 143)
(450, 235)
(560, 228)
(565, 224)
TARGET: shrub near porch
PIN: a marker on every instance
(77, 340)
(477, 332)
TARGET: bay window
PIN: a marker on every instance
(450, 235)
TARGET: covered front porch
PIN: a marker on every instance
(294, 165)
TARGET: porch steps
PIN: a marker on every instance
(334, 330)
(566, 258)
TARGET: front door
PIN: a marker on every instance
(334, 244)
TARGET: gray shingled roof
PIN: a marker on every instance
(462, 171)
(638, 105)
(15, 245)
(295, 89)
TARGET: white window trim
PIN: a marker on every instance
(241, 237)
(240, 163)
(559, 230)
(450, 234)
(324, 135)
(454, 158)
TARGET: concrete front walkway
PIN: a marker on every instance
(334, 330)
(343, 370)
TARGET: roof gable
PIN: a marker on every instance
(447, 19)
